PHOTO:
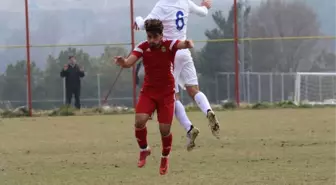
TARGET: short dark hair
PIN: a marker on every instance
(71, 55)
(154, 26)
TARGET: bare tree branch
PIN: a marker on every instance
(284, 19)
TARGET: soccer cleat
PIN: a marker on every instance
(213, 123)
(191, 136)
(144, 153)
(164, 165)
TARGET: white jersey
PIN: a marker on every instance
(174, 16)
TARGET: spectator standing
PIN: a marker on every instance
(73, 73)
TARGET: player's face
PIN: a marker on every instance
(153, 39)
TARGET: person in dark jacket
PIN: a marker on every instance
(72, 74)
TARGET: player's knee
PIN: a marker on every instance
(164, 129)
(192, 90)
(141, 120)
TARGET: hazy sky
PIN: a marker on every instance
(18, 5)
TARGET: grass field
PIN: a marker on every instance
(289, 146)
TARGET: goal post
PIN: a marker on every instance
(315, 88)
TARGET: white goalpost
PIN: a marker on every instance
(315, 88)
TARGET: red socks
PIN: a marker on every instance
(141, 136)
(167, 144)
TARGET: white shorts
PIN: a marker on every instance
(184, 70)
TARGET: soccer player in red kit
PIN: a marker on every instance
(158, 90)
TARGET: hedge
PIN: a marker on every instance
(106, 110)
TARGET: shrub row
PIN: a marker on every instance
(106, 110)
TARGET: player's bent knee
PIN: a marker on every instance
(164, 129)
(192, 90)
(141, 120)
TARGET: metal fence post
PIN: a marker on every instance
(248, 88)
(306, 88)
(282, 87)
(98, 89)
(271, 87)
(228, 85)
(334, 87)
(320, 88)
(64, 93)
(259, 88)
(27, 93)
(216, 88)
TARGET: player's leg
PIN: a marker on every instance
(68, 96)
(140, 73)
(77, 98)
(144, 109)
(181, 116)
(180, 113)
(189, 78)
(165, 114)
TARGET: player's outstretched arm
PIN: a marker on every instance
(126, 62)
(185, 44)
(200, 10)
(140, 22)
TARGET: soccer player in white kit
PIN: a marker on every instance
(174, 16)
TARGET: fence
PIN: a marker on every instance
(240, 36)
(255, 87)
(50, 92)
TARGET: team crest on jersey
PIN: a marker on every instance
(163, 49)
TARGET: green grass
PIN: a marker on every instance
(289, 146)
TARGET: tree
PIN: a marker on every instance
(14, 87)
(324, 63)
(218, 57)
(108, 73)
(52, 87)
(47, 86)
(283, 19)
(95, 67)
(276, 19)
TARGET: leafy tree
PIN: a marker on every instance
(47, 85)
(108, 73)
(218, 57)
(95, 67)
(14, 82)
(53, 85)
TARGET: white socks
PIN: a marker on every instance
(202, 102)
(181, 115)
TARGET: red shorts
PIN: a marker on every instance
(163, 103)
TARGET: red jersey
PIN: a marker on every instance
(158, 64)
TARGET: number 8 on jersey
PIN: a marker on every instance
(179, 20)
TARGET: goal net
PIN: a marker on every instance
(315, 88)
